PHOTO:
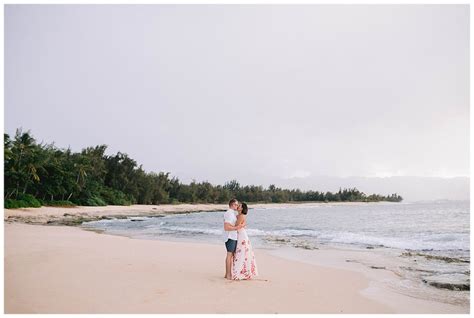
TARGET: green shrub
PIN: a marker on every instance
(95, 201)
(23, 201)
(29, 200)
(175, 201)
(11, 204)
(91, 201)
(59, 203)
(114, 197)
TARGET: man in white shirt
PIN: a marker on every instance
(230, 235)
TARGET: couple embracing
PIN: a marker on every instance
(240, 260)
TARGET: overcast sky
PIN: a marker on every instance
(251, 92)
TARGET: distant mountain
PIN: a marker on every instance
(411, 188)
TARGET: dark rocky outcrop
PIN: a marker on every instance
(448, 281)
(436, 257)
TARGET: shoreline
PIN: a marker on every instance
(388, 284)
(380, 265)
(68, 220)
(64, 269)
(61, 269)
(74, 216)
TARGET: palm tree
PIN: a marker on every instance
(23, 147)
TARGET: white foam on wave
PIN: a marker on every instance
(191, 230)
(138, 218)
(296, 206)
(251, 232)
(434, 241)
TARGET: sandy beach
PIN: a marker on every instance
(59, 269)
(65, 269)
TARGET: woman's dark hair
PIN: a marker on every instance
(244, 208)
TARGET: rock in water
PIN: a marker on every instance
(448, 281)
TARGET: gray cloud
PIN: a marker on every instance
(247, 91)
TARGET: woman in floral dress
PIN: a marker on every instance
(244, 265)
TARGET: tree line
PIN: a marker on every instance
(38, 174)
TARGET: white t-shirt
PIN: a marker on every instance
(230, 216)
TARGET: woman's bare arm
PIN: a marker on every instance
(230, 227)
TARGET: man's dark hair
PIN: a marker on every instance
(232, 202)
(244, 208)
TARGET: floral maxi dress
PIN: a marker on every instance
(244, 265)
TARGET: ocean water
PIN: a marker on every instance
(432, 238)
